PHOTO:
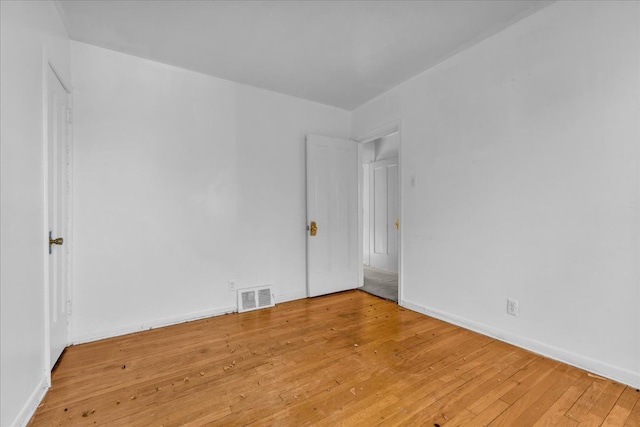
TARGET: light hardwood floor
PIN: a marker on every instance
(348, 358)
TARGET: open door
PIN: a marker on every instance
(385, 221)
(57, 199)
(332, 215)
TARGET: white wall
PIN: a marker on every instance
(25, 27)
(525, 148)
(182, 183)
(526, 153)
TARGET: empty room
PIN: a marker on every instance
(320, 213)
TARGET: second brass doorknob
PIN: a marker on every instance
(56, 241)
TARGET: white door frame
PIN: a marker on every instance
(48, 65)
(369, 136)
(366, 219)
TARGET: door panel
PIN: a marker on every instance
(392, 215)
(57, 197)
(384, 213)
(366, 249)
(380, 218)
(332, 204)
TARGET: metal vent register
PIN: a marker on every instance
(255, 298)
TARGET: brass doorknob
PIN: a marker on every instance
(313, 228)
(397, 223)
(56, 241)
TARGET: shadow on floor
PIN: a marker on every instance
(383, 284)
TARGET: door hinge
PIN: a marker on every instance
(69, 116)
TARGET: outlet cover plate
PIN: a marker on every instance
(512, 307)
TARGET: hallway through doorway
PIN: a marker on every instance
(383, 284)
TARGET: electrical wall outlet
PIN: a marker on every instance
(232, 285)
(512, 307)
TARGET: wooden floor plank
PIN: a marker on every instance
(489, 414)
(559, 386)
(342, 359)
(582, 407)
(633, 420)
(622, 408)
(603, 405)
(556, 412)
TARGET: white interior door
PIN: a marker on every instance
(384, 222)
(57, 134)
(332, 215)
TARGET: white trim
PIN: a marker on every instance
(69, 205)
(65, 86)
(615, 373)
(380, 131)
(306, 217)
(45, 219)
(637, 240)
(360, 216)
(173, 320)
(30, 406)
(153, 324)
(400, 212)
(290, 296)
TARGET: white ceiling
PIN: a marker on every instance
(341, 53)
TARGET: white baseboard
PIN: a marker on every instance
(30, 406)
(173, 320)
(158, 323)
(600, 368)
(290, 297)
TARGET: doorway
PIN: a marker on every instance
(380, 215)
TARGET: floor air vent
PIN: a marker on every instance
(255, 298)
